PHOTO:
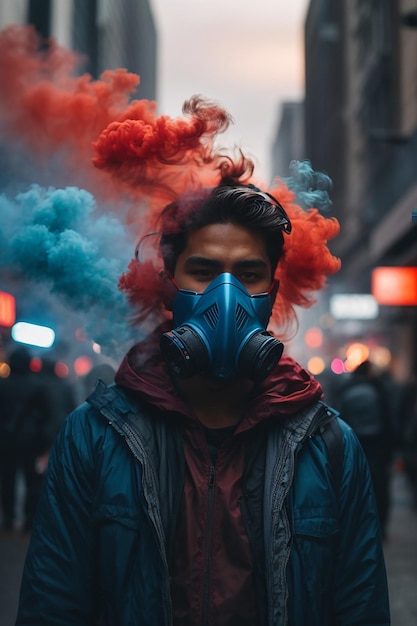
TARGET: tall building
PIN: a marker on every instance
(118, 34)
(361, 127)
(325, 91)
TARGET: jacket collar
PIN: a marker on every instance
(287, 390)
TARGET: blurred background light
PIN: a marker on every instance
(32, 334)
(61, 369)
(4, 370)
(316, 365)
(35, 365)
(381, 356)
(395, 286)
(337, 366)
(82, 365)
(7, 309)
(313, 337)
(356, 354)
(359, 306)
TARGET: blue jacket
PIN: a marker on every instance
(98, 551)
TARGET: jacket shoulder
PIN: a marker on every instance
(101, 407)
(87, 427)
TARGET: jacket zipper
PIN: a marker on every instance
(207, 564)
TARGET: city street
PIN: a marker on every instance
(400, 552)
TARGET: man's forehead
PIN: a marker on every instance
(225, 234)
(225, 245)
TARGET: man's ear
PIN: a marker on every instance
(170, 288)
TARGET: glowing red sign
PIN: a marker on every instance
(395, 286)
(7, 309)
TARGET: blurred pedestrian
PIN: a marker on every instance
(365, 404)
(61, 399)
(24, 436)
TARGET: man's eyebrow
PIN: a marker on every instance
(195, 260)
(201, 261)
(251, 263)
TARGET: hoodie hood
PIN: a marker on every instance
(287, 390)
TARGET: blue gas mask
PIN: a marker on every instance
(221, 332)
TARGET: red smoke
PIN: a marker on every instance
(163, 157)
(55, 114)
(51, 111)
(306, 260)
(116, 147)
(42, 98)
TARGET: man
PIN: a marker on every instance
(199, 490)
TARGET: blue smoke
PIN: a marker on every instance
(311, 188)
(55, 237)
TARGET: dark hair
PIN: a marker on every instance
(243, 205)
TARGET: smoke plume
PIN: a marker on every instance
(55, 237)
(85, 171)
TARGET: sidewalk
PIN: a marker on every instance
(400, 554)
(13, 548)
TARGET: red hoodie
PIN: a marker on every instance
(213, 564)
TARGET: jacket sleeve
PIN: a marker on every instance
(58, 584)
(361, 591)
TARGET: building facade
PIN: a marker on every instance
(360, 127)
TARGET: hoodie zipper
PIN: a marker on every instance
(209, 533)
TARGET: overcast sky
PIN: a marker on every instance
(248, 56)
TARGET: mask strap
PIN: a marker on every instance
(273, 289)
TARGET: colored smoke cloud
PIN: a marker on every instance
(55, 237)
(310, 188)
(85, 169)
(77, 240)
(75, 243)
(49, 116)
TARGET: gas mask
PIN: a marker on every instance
(221, 332)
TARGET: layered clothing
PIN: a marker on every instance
(144, 521)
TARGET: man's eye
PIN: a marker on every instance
(249, 276)
(203, 273)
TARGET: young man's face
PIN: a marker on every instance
(219, 248)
